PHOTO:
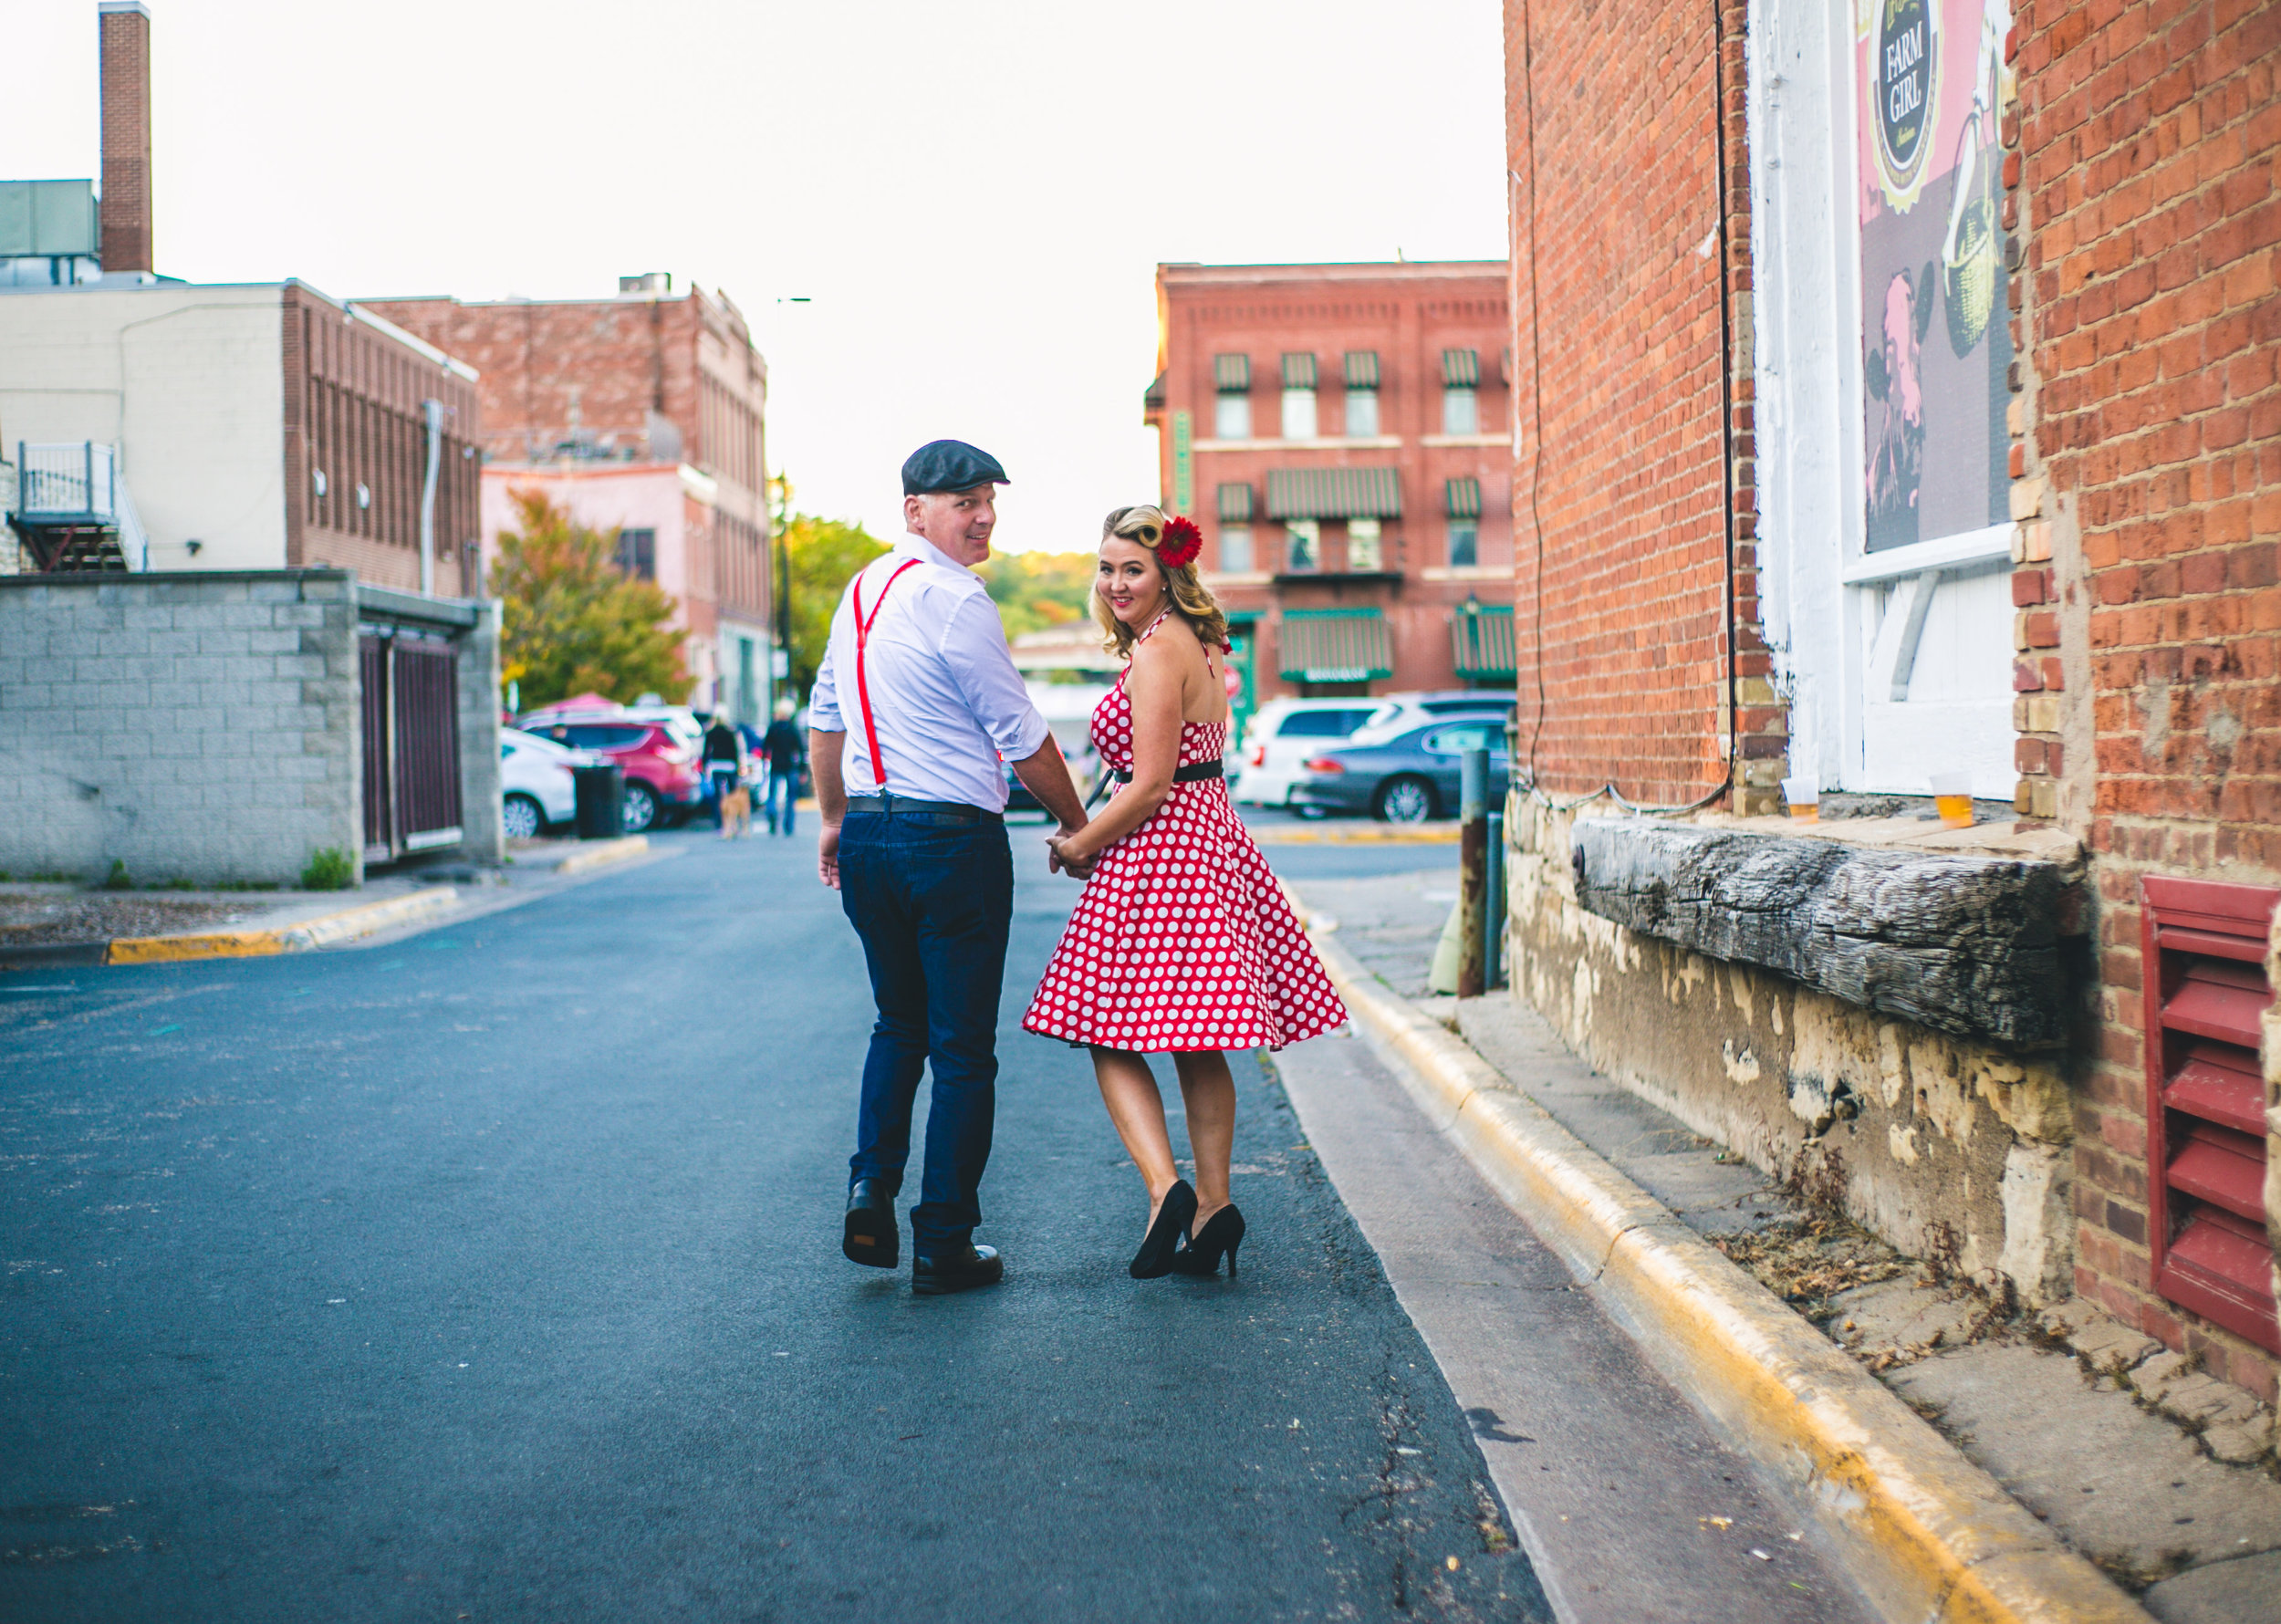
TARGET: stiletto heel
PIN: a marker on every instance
(1157, 1253)
(1223, 1233)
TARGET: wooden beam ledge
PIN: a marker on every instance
(1965, 944)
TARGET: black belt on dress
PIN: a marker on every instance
(892, 804)
(1195, 772)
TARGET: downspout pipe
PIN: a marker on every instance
(433, 411)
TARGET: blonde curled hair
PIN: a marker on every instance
(1191, 597)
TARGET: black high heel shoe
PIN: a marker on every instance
(1173, 1218)
(1224, 1232)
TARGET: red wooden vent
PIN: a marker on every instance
(2206, 989)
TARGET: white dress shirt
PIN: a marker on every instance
(944, 694)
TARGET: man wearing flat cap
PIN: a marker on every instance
(915, 707)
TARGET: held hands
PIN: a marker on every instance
(1060, 860)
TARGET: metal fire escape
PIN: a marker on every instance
(73, 513)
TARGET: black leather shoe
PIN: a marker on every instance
(955, 1271)
(870, 1235)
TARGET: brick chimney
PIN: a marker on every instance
(125, 27)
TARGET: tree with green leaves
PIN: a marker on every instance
(572, 621)
(823, 554)
(1034, 590)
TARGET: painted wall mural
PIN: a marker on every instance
(1935, 345)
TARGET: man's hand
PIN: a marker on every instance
(827, 855)
(1059, 861)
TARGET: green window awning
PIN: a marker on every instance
(1154, 400)
(1334, 646)
(1481, 642)
(1334, 493)
(1232, 374)
(1361, 368)
(1463, 497)
(1298, 372)
(1460, 368)
(1235, 504)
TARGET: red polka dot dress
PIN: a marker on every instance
(1183, 940)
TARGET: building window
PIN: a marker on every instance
(1298, 396)
(1366, 549)
(1461, 392)
(637, 553)
(1231, 410)
(1303, 545)
(1464, 543)
(1361, 413)
(1235, 548)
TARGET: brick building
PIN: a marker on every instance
(1897, 395)
(1341, 432)
(646, 411)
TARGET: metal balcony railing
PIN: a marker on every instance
(68, 484)
(77, 485)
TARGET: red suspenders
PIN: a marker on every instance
(864, 688)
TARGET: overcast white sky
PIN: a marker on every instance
(975, 195)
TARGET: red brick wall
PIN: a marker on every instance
(608, 363)
(1612, 151)
(1408, 313)
(353, 412)
(2149, 630)
(124, 214)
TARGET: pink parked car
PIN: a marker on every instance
(664, 777)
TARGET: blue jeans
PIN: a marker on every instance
(933, 898)
(780, 794)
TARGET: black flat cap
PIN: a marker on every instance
(950, 465)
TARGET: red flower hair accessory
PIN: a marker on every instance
(1182, 544)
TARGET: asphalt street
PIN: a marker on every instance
(493, 1274)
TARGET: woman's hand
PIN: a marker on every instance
(1060, 860)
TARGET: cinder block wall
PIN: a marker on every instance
(200, 726)
(483, 836)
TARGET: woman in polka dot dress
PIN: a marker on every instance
(1182, 942)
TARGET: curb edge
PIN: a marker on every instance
(1931, 1536)
(345, 925)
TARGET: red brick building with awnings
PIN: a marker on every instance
(1342, 434)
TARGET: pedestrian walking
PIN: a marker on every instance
(785, 751)
(724, 765)
(916, 703)
(1182, 942)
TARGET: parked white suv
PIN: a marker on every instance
(1284, 732)
(536, 783)
(1399, 713)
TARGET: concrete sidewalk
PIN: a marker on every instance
(2034, 1414)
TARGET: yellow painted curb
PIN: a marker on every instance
(344, 926)
(602, 853)
(1370, 834)
(1928, 1535)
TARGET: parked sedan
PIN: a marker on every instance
(664, 779)
(1408, 778)
(536, 781)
